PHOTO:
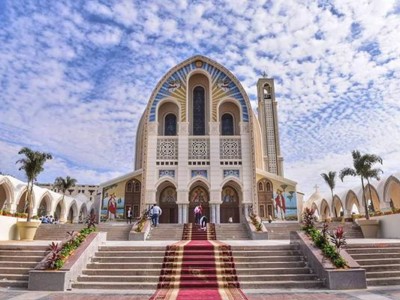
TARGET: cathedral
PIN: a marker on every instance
(200, 142)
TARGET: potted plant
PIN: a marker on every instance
(32, 164)
(363, 168)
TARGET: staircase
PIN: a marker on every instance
(352, 230)
(231, 231)
(166, 232)
(15, 263)
(264, 267)
(58, 232)
(122, 267)
(381, 262)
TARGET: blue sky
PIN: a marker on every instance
(75, 77)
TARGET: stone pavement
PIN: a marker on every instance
(375, 293)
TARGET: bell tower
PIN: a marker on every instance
(268, 117)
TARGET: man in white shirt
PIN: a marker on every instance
(156, 213)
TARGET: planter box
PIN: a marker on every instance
(140, 236)
(335, 279)
(369, 227)
(61, 280)
(27, 230)
(254, 234)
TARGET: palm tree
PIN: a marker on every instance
(330, 180)
(64, 184)
(372, 174)
(32, 164)
(363, 167)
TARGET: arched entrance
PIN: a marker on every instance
(337, 207)
(4, 197)
(352, 204)
(22, 207)
(325, 212)
(59, 213)
(44, 207)
(230, 205)
(167, 202)
(265, 198)
(199, 195)
(73, 213)
(132, 197)
(83, 214)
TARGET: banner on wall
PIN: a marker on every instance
(285, 205)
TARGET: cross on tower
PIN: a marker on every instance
(316, 187)
(264, 74)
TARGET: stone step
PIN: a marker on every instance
(23, 248)
(262, 248)
(17, 264)
(383, 261)
(273, 271)
(14, 284)
(116, 286)
(23, 253)
(119, 279)
(130, 253)
(371, 256)
(16, 277)
(112, 266)
(122, 259)
(304, 284)
(10, 258)
(373, 245)
(273, 277)
(267, 258)
(4, 270)
(371, 275)
(131, 248)
(383, 281)
(381, 268)
(372, 250)
(128, 272)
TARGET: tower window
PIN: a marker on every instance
(227, 124)
(170, 124)
(199, 127)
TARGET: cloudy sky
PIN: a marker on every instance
(75, 77)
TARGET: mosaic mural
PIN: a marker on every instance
(285, 204)
(202, 173)
(234, 173)
(222, 87)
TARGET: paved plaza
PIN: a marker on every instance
(375, 293)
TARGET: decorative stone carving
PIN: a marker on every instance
(162, 173)
(167, 149)
(199, 149)
(234, 173)
(202, 173)
(230, 148)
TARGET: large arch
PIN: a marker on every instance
(391, 191)
(5, 195)
(370, 191)
(337, 207)
(231, 197)
(22, 202)
(351, 199)
(325, 211)
(73, 214)
(199, 194)
(60, 211)
(44, 208)
(83, 213)
(229, 108)
(198, 106)
(166, 108)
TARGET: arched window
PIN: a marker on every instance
(260, 186)
(199, 123)
(129, 187)
(137, 186)
(268, 186)
(227, 124)
(170, 124)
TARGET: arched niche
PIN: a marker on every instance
(337, 207)
(168, 118)
(325, 211)
(73, 213)
(5, 196)
(351, 201)
(199, 104)
(22, 203)
(199, 194)
(44, 208)
(132, 197)
(229, 118)
(83, 214)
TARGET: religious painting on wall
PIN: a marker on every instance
(198, 196)
(285, 204)
(229, 195)
(168, 195)
(113, 204)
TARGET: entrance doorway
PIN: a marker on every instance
(167, 201)
(229, 209)
(199, 195)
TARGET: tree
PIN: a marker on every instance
(372, 174)
(64, 184)
(363, 168)
(330, 180)
(32, 165)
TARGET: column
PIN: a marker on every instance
(217, 213)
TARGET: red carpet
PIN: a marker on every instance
(198, 268)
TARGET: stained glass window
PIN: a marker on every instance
(199, 127)
(170, 124)
(227, 124)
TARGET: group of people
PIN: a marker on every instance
(48, 220)
(199, 218)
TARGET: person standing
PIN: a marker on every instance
(203, 222)
(156, 213)
(129, 215)
(198, 212)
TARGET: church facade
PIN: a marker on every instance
(199, 142)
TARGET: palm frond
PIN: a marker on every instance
(330, 179)
(347, 172)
